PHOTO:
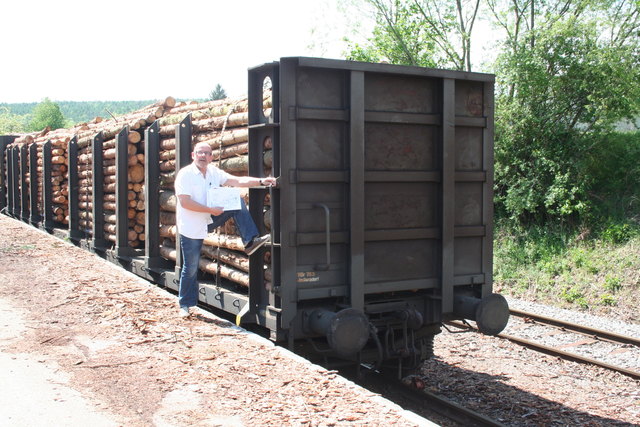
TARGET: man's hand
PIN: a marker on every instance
(216, 210)
(192, 205)
(269, 181)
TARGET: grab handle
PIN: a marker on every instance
(325, 267)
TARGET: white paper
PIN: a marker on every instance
(227, 198)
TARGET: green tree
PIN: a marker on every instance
(10, 123)
(217, 93)
(46, 114)
(565, 76)
(428, 33)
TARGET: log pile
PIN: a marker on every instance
(135, 184)
(136, 123)
(84, 134)
(223, 124)
(85, 191)
(59, 140)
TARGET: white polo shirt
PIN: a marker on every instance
(191, 182)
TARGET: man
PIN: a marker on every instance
(195, 218)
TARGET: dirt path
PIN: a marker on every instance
(35, 391)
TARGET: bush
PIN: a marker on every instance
(46, 114)
(614, 164)
(618, 233)
(607, 299)
(612, 284)
(574, 295)
(10, 123)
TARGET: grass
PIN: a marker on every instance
(595, 270)
(565, 269)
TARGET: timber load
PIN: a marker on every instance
(223, 124)
(56, 142)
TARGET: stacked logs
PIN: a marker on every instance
(224, 126)
(135, 123)
(59, 140)
(59, 183)
(85, 190)
(84, 134)
(135, 208)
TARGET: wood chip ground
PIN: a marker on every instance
(94, 332)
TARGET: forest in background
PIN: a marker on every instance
(79, 112)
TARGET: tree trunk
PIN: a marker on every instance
(168, 201)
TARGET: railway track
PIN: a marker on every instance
(448, 408)
(581, 329)
(572, 341)
(410, 394)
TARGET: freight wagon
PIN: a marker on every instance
(381, 221)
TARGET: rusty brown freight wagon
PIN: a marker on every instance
(381, 221)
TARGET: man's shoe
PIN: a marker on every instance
(256, 243)
(184, 312)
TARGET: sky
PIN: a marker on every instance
(119, 50)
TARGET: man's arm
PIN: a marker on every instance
(249, 181)
(187, 203)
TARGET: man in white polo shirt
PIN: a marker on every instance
(195, 218)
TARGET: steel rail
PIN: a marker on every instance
(456, 412)
(569, 356)
(555, 352)
(441, 405)
(592, 332)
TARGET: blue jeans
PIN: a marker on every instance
(188, 289)
(243, 220)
